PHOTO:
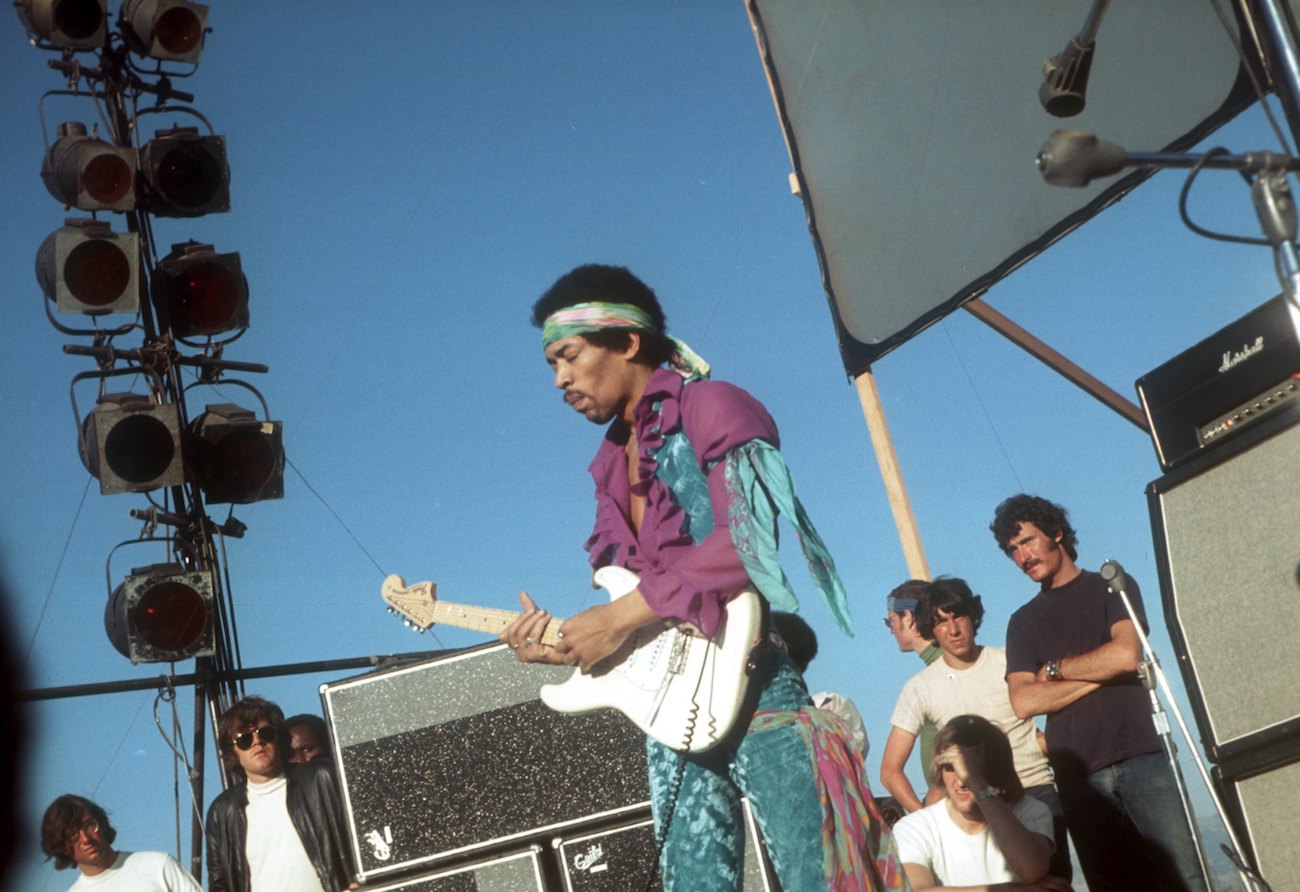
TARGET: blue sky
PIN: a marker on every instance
(404, 184)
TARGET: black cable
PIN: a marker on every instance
(661, 835)
(1186, 217)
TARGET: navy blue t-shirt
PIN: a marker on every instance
(1108, 725)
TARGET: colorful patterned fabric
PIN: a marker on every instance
(588, 317)
(759, 488)
(857, 846)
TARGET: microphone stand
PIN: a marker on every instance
(1277, 218)
(1063, 92)
(1153, 676)
(1074, 158)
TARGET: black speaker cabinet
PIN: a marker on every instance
(622, 859)
(1227, 537)
(454, 755)
(1227, 542)
(517, 872)
(1260, 801)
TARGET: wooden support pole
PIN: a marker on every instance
(908, 534)
(1036, 348)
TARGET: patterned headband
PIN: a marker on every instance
(588, 317)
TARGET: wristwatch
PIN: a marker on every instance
(1053, 670)
(987, 793)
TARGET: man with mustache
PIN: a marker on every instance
(689, 481)
(1073, 655)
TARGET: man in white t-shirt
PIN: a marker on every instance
(281, 828)
(985, 831)
(967, 679)
(76, 833)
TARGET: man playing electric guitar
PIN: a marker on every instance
(689, 483)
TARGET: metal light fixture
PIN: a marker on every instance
(89, 174)
(235, 457)
(186, 174)
(66, 24)
(132, 444)
(161, 613)
(85, 267)
(199, 292)
(171, 30)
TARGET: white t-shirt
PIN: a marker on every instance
(277, 862)
(140, 872)
(940, 693)
(956, 858)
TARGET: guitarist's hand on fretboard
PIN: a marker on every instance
(683, 689)
(535, 638)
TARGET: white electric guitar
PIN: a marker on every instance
(679, 687)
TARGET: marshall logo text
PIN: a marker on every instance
(1231, 359)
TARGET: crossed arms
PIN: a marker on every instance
(1033, 693)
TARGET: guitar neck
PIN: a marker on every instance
(487, 619)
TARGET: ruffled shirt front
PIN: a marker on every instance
(687, 572)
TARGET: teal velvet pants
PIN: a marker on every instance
(704, 851)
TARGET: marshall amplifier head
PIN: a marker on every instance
(1226, 383)
(455, 756)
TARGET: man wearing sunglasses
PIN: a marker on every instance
(76, 833)
(900, 620)
(280, 827)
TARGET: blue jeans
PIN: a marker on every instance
(1130, 829)
(705, 848)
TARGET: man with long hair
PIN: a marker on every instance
(280, 827)
(76, 832)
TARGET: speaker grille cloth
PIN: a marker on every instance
(1233, 541)
(1269, 801)
(453, 755)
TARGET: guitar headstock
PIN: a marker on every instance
(413, 602)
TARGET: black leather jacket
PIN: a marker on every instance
(316, 810)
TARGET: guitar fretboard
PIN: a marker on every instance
(420, 605)
(487, 619)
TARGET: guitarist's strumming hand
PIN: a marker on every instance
(585, 639)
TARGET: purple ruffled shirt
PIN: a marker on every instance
(679, 579)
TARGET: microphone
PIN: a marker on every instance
(1113, 573)
(1065, 75)
(1074, 158)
